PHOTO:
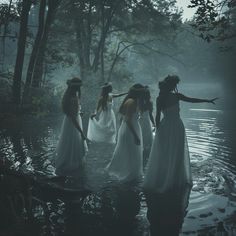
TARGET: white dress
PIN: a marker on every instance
(146, 126)
(169, 164)
(70, 150)
(127, 160)
(103, 129)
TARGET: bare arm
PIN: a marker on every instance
(99, 106)
(130, 108)
(118, 95)
(98, 109)
(73, 117)
(158, 113)
(195, 100)
(77, 125)
(151, 117)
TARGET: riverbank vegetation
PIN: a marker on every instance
(44, 43)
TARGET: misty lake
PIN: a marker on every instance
(211, 136)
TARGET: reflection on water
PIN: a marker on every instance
(166, 211)
(210, 136)
(210, 142)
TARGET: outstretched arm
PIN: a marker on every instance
(195, 100)
(118, 95)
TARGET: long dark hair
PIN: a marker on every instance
(106, 89)
(73, 87)
(166, 86)
(135, 92)
(146, 103)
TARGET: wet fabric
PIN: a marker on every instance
(127, 160)
(169, 163)
(146, 126)
(103, 129)
(71, 149)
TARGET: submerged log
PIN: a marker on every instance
(18, 189)
(53, 188)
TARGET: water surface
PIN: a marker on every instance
(211, 137)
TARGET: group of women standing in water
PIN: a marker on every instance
(168, 164)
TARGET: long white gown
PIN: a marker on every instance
(103, 129)
(127, 160)
(146, 126)
(168, 166)
(70, 150)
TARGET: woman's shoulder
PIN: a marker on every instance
(129, 105)
(168, 96)
(130, 102)
(110, 97)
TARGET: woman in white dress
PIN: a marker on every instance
(147, 122)
(168, 166)
(127, 161)
(103, 129)
(72, 146)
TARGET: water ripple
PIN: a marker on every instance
(211, 153)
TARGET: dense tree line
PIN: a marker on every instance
(100, 34)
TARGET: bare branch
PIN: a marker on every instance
(142, 44)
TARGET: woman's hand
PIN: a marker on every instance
(84, 137)
(213, 100)
(137, 141)
(92, 116)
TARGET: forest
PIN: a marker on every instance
(46, 43)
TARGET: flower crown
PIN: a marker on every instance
(138, 89)
(74, 82)
(172, 79)
(108, 84)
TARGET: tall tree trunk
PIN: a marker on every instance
(38, 69)
(16, 88)
(83, 36)
(102, 66)
(35, 49)
(88, 36)
(102, 50)
(80, 53)
(4, 35)
(104, 31)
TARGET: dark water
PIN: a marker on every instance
(211, 138)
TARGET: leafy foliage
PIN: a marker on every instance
(9, 14)
(89, 32)
(215, 19)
